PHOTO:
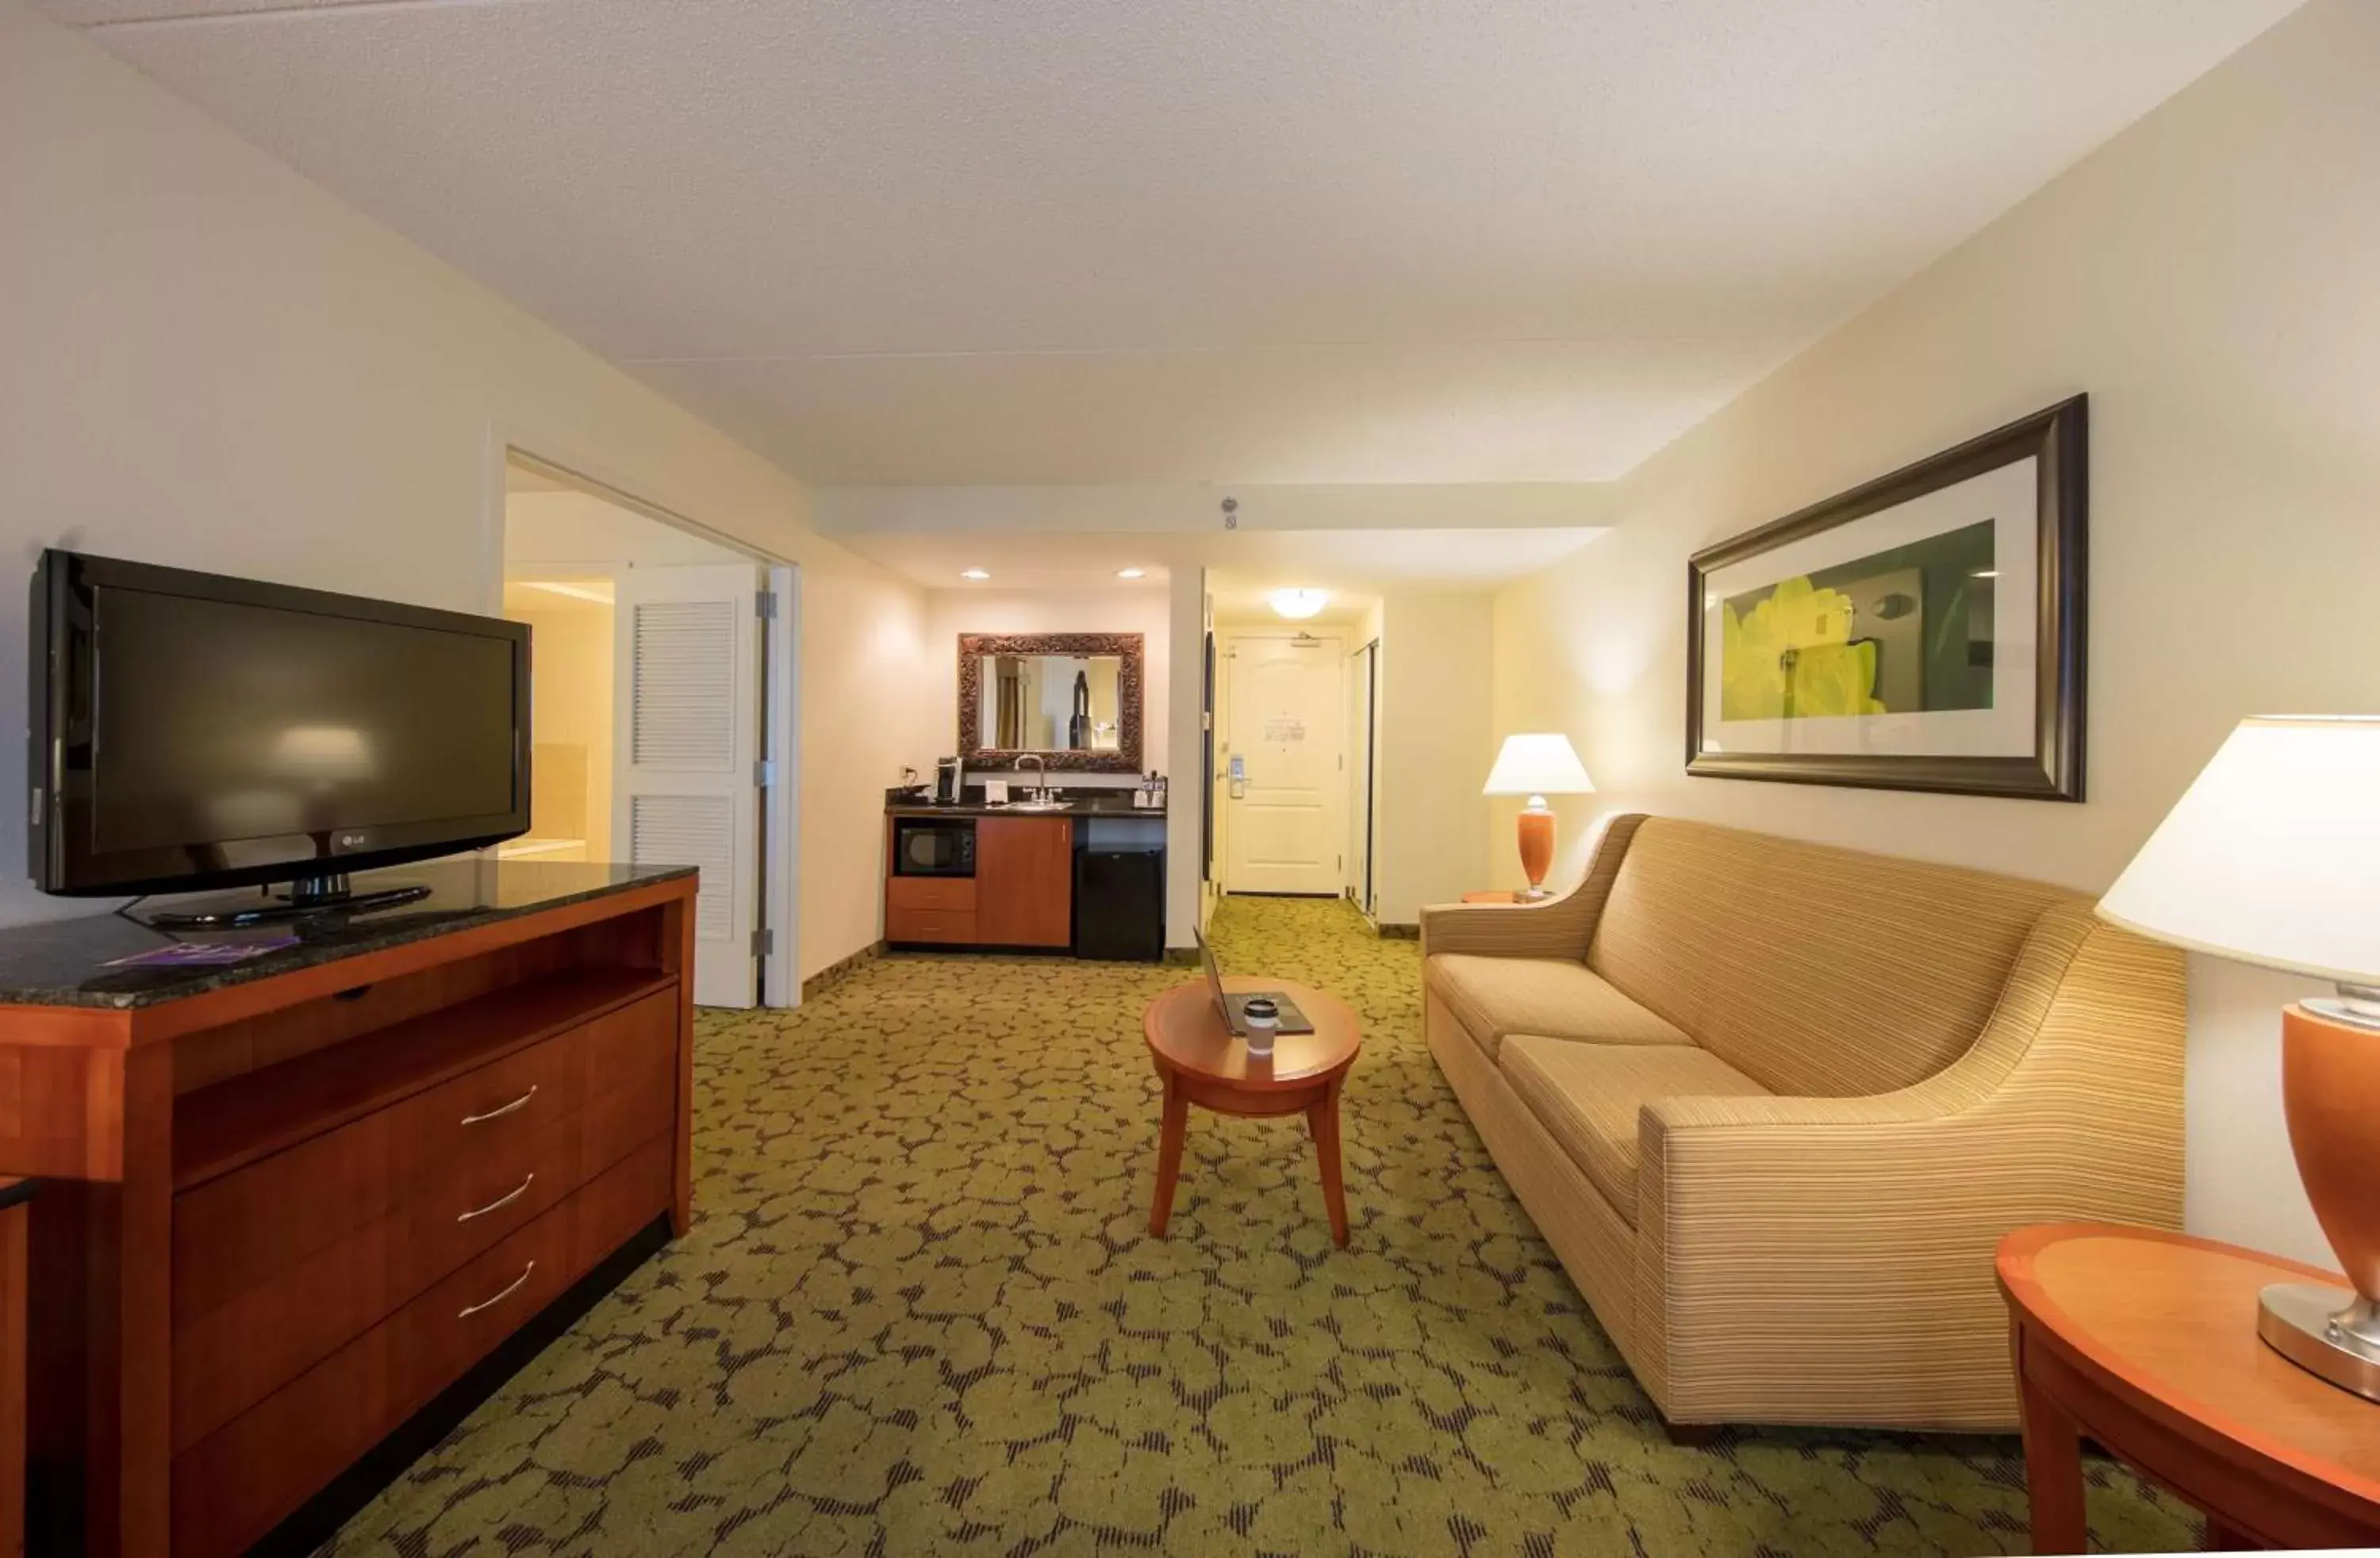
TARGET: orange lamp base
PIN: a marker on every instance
(2330, 1089)
(1537, 847)
(2330, 1086)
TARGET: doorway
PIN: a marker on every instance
(660, 695)
(1284, 762)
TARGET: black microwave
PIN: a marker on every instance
(933, 847)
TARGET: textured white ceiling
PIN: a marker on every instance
(1067, 240)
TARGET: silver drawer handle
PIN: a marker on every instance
(492, 1303)
(520, 1102)
(507, 1199)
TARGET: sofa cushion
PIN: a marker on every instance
(1818, 972)
(1588, 1096)
(1494, 996)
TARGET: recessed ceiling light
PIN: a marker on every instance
(1299, 604)
(1132, 573)
(973, 573)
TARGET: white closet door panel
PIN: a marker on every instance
(686, 733)
(684, 708)
(700, 830)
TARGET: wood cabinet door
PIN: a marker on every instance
(1024, 881)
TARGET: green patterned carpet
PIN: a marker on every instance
(919, 1314)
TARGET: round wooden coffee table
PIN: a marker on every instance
(1200, 1062)
(2146, 1342)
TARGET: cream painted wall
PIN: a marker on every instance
(213, 363)
(1142, 609)
(1436, 652)
(571, 648)
(2208, 277)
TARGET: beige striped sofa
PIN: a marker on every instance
(1773, 1105)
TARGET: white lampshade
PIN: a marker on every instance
(2273, 855)
(1540, 764)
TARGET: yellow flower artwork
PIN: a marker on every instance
(1791, 657)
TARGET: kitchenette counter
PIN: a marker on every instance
(1086, 877)
(1079, 804)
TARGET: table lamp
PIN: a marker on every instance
(1537, 766)
(2273, 858)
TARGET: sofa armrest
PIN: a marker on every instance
(1863, 1228)
(1560, 927)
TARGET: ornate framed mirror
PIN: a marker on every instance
(1071, 699)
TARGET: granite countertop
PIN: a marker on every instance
(75, 962)
(1080, 804)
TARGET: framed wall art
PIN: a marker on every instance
(1922, 632)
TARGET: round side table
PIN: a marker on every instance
(1200, 1061)
(2146, 1343)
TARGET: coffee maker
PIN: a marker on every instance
(950, 781)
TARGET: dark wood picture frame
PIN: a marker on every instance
(2058, 438)
(1130, 680)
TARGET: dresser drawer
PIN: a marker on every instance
(948, 893)
(630, 1097)
(256, 1222)
(948, 927)
(232, 1234)
(620, 1201)
(229, 1357)
(233, 1486)
(279, 1265)
(481, 1111)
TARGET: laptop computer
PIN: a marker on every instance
(1233, 1006)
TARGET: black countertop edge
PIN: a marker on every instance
(71, 963)
(1074, 807)
(17, 1192)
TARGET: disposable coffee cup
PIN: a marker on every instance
(1264, 1019)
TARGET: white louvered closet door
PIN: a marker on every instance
(685, 732)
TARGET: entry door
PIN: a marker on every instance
(687, 746)
(1288, 784)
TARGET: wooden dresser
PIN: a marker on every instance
(295, 1207)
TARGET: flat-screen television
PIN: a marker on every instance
(190, 731)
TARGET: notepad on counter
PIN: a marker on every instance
(203, 955)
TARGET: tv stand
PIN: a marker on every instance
(328, 893)
(292, 1207)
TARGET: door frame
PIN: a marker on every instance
(1365, 809)
(781, 810)
(779, 984)
(1226, 638)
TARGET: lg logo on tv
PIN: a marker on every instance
(351, 841)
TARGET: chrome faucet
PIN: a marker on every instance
(1041, 770)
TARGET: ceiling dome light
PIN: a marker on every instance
(973, 573)
(1132, 573)
(1299, 604)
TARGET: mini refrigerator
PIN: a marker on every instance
(1120, 888)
